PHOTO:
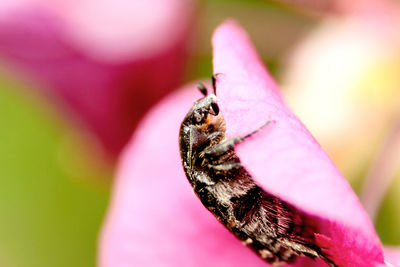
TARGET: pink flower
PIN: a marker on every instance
(105, 61)
(155, 219)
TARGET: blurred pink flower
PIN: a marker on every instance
(105, 61)
(343, 82)
(155, 219)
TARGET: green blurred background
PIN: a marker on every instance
(50, 216)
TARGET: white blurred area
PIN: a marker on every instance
(342, 81)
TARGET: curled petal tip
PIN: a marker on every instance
(284, 158)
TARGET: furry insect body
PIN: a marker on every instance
(275, 230)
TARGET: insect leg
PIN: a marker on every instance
(255, 131)
(225, 166)
(328, 261)
(220, 149)
(216, 136)
(223, 147)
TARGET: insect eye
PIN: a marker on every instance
(214, 109)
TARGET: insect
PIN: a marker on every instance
(272, 228)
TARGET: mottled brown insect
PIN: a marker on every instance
(272, 228)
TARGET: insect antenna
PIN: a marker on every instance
(202, 88)
(214, 82)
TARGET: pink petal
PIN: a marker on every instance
(155, 219)
(284, 158)
(98, 59)
(392, 255)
